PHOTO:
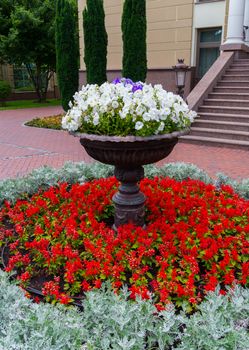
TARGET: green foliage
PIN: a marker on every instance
(95, 41)
(67, 49)
(5, 91)
(27, 37)
(134, 40)
(6, 6)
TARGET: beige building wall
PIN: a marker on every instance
(169, 32)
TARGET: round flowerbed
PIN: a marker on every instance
(61, 242)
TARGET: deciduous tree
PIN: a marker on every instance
(27, 37)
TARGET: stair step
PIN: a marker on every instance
(224, 117)
(224, 109)
(231, 89)
(237, 71)
(241, 61)
(237, 77)
(229, 96)
(226, 103)
(237, 83)
(224, 125)
(220, 133)
(212, 141)
(239, 66)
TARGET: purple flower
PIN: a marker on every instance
(117, 81)
(126, 81)
(137, 86)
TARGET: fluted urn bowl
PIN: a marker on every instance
(128, 154)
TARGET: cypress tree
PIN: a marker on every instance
(134, 28)
(67, 50)
(95, 42)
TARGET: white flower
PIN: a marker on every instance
(161, 126)
(115, 104)
(96, 119)
(139, 125)
(146, 117)
(151, 105)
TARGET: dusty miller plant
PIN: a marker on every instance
(27, 326)
(114, 321)
(221, 323)
(43, 178)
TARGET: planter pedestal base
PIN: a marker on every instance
(129, 200)
(128, 154)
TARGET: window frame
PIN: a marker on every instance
(205, 45)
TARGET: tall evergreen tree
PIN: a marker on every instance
(95, 41)
(67, 49)
(134, 28)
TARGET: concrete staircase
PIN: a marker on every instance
(224, 115)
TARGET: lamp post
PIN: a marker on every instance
(180, 74)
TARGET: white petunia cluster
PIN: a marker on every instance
(127, 109)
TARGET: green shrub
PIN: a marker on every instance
(5, 91)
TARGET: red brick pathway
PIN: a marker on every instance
(23, 149)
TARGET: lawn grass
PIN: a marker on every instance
(30, 104)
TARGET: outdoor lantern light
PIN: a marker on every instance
(180, 70)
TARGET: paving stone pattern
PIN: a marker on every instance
(23, 148)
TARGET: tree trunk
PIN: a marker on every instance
(36, 77)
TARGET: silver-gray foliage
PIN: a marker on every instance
(242, 187)
(222, 323)
(111, 321)
(28, 326)
(183, 171)
(45, 177)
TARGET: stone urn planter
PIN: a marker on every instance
(128, 155)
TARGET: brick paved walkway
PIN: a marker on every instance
(23, 149)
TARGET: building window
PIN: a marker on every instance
(22, 80)
(208, 49)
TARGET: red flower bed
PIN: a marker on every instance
(196, 237)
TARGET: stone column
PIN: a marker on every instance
(235, 22)
(246, 22)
